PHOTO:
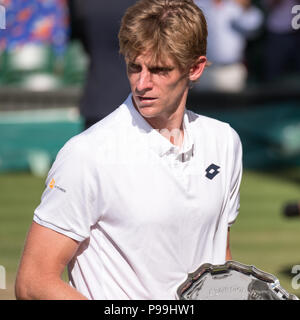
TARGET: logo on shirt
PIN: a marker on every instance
(52, 185)
(212, 171)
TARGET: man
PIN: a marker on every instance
(145, 196)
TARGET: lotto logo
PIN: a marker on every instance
(212, 171)
(2, 17)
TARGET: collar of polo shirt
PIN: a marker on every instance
(158, 142)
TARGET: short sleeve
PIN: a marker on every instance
(68, 203)
(236, 176)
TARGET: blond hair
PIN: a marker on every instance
(173, 28)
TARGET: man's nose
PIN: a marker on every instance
(144, 82)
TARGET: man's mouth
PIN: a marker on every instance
(146, 98)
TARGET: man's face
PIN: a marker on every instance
(157, 89)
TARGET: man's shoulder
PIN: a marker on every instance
(111, 124)
(201, 121)
(100, 133)
(114, 120)
(213, 128)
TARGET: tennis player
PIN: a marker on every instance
(148, 194)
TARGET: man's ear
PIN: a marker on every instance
(197, 69)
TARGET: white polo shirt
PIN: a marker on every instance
(146, 213)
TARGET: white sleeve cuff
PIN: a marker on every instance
(51, 226)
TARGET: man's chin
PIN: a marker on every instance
(148, 111)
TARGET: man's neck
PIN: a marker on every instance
(170, 126)
(170, 123)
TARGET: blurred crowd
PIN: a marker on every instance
(249, 42)
(36, 51)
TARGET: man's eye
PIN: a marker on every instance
(133, 68)
(160, 70)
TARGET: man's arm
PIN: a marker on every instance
(44, 259)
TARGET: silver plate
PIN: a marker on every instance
(232, 281)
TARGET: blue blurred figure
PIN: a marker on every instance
(282, 46)
(230, 24)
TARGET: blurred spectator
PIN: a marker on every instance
(34, 21)
(281, 57)
(34, 30)
(282, 46)
(230, 24)
(96, 24)
(292, 210)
